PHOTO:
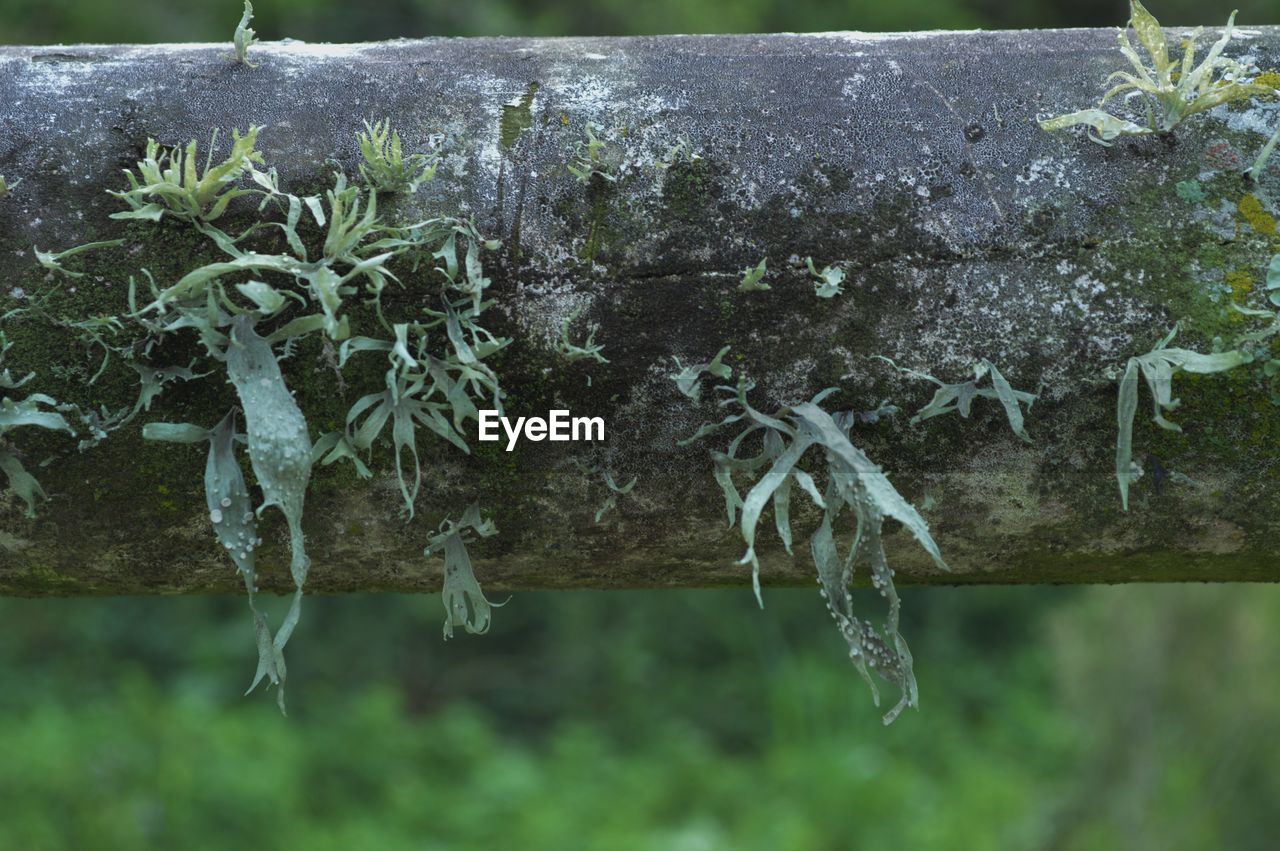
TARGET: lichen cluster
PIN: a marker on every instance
(1170, 90)
(300, 270)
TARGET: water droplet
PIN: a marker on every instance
(226, 502)
(215, 516)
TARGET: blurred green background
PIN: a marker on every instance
(47, 21)
(1053, 718)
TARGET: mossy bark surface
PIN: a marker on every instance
(913, 160)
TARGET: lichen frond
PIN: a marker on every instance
(464, 602)
(1157, 368)
(854, 484)
(1171, 91)
(827, 282)
(36, 410)
(169, 182)
(385, 167)
(592, 157)
(959, 397)
(587, 350)
(688, 379)
(753, 278)
(244, 36)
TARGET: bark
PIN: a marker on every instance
(913, 159)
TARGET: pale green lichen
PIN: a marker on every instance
(688, 379)
(959, 397)
(1158, 367)
(614, 491)
(33, 411)
(1171, 90)
(52, 260)
(244, 36)
(854, 483)
(571, 351)
(1190, 191)
(235, 527)
(753, 278)
(590, 159)
(168, 182)
(464, 602)
(242, 308)
(827, 281)
(681, 152)
(385, 167)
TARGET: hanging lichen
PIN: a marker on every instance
(853, 483)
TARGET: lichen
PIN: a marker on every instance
(250, 310)
(244, 36)
(1252, 211)
(36, 410)
(385, 167)
(854, 483)
(1170, 90)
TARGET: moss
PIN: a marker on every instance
(691, 189)
(517, 117)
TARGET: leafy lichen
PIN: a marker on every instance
(464, 603)
(959, 397)
(312, 255)
(571, 351)
(36, 410)
(753, 278)
(244, 36)
(853, 483)
(385, 167)
(1158, 367)
(1171, 90)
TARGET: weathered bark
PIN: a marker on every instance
(915, 159)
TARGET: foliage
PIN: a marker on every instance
(114, 731)
(1171, 90)
(52, 260)
(6, 188)
(1158, 367)
(681, 152)
(612, 488)
(385, 167)
(959, 397)
(853, 483)
(244, 36)
(234, 524)
(1255, 171)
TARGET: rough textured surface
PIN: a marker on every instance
(915, 160)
